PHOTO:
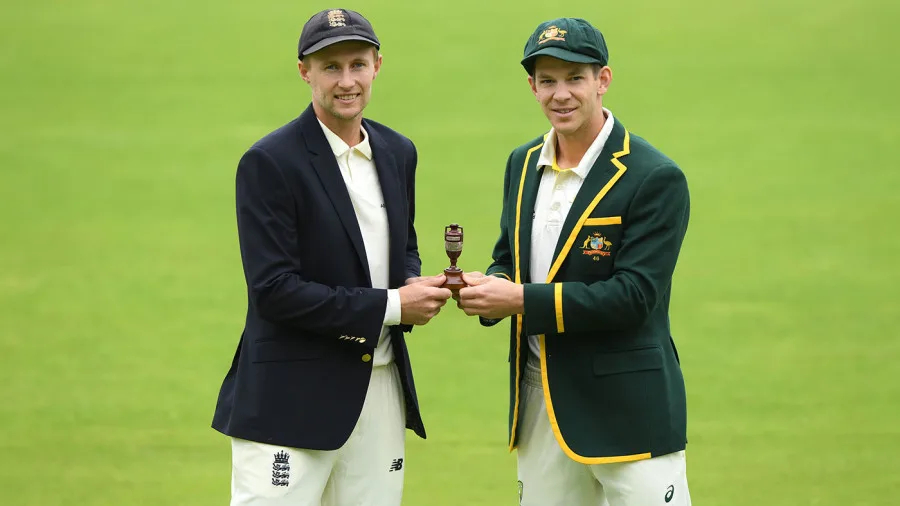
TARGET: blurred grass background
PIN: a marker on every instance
(122, 297)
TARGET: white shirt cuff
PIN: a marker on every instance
(392, 311)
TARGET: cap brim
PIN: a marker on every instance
(334, 40)
(557, 52)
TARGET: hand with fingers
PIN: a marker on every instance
(422, 299)
(490, 297)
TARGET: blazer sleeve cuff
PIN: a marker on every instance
(488, 322)
(544, 308)
(499, 272)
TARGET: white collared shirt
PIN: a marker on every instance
(557, 191)
(359, 173)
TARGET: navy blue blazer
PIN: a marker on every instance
(300, 373)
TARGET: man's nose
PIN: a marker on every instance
(562, 93)
(346, 80)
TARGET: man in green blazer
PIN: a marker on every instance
(592, 223)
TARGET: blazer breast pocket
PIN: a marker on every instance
(596, 245)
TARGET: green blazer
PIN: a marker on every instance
(611, 376)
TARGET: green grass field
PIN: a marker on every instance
(122, 297)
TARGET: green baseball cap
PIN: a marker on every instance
(569, 39)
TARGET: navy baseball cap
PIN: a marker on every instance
(332, 26)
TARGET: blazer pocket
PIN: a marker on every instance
(618, 362)
(610, 220)
(598, 241)
(284, 351)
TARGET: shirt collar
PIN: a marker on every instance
(340, 148)
(547, 157)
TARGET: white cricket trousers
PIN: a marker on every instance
(366, 471)
(548, 477)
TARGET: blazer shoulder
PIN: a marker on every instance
(521, 153)
(391, 136)
(644, 157)
(285, 140)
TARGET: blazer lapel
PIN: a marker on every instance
(329, 173)
(391, 192)
(528, 190)
(603, 175)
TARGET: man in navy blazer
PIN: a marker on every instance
(320, 390)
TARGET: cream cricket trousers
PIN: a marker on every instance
(548, 477)
(366, 471)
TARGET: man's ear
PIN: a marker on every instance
(377, 66)
(532, 83)
(304, 70)
(605, 79)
